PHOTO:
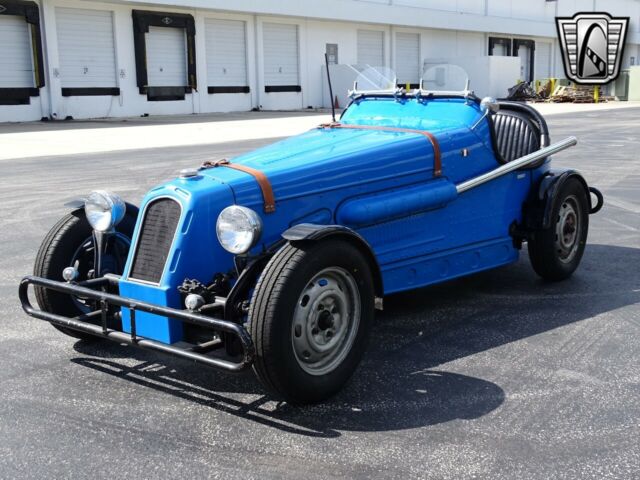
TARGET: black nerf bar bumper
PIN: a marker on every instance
(87, 290)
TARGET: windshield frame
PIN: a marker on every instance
(417, 93)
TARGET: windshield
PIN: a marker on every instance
(445, 77)
(436, 77)
(376, 78)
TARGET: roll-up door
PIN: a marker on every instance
(16, 64)
(408, 58)
(543, 60)
(281, 57)
(86, 51)
(167, 57)
(226, 56)
(370, 48)
(525, 49)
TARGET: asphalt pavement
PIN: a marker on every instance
(496, 376)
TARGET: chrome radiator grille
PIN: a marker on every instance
(157, 231)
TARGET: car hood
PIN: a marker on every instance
(330, 158)
(324, 153)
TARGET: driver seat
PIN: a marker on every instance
(515, 135)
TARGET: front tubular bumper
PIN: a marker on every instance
(92, 290)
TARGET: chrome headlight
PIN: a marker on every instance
(104, 210)
(238, 229)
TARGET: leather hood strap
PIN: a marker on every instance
(437, 157)
(263, 182)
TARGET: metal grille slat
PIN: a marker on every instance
(154, 241)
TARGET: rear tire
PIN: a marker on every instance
(310, 316)
(57, 252)
(555, 252)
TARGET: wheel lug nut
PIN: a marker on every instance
(321, 307)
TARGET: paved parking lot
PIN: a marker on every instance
(494, 376)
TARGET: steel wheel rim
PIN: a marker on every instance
(325, 321)
(568, 230)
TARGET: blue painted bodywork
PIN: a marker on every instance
(379, 183)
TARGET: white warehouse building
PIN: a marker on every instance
(93, 59)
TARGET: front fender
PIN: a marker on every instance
(308, 232)
(547, 191)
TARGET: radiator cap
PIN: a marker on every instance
(189, 173)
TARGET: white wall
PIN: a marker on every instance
(329, 21)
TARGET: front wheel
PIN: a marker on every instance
(556, 251)
(309, 319)
(70, 243)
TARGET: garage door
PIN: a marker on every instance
(16, 65)
(167, 57)
(281, 55)
(226, 53)
(370, 48)
(543, 60)
(408, 58)
(86, 48)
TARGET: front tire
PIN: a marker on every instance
(309, 319)
(555, 252)
(70, 241)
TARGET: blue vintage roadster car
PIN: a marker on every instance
(277, 259)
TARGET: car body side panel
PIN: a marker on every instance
(473, 228)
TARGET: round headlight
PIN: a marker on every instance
(238, 229)
(104, 210)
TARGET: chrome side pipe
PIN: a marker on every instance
(516, 164)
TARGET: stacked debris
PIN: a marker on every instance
(523, 92)
(579, 94)
(573, 94)
(545, 89)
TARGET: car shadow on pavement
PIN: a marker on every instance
(401, 383)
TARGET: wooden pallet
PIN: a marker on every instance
(574, 94)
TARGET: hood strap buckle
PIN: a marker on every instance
(263, 182)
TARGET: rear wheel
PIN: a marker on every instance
(309, 319)
(70, 244)
(556, 251)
